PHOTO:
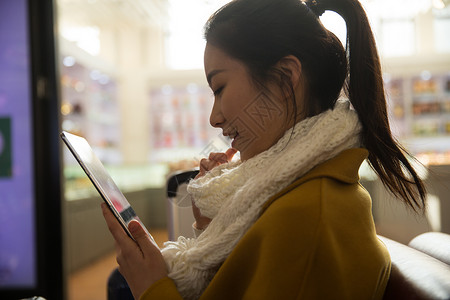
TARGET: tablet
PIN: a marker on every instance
(102, 181)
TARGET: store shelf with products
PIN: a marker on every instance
(89, 108)
(181, 133)
(419, 107)
(89, 105)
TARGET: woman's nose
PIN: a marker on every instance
(216, 119)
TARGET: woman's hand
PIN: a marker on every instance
(214, 159)
(140, 262)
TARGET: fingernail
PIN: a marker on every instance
(133, 226)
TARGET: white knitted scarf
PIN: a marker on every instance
(233, 194)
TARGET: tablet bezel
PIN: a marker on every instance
(66, 137)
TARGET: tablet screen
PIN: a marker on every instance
(101, 179)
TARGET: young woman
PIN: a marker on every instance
(289, 220)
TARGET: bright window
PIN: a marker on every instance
(334, 23)
(441, 26)
(87, 37)
(398, 37)
(184, 38)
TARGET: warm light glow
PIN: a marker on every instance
(87, 37)
(439, 4)
(66, 108)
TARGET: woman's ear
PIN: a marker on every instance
(291, 66)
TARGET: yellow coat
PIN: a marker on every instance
(315, 239)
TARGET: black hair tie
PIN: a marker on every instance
(316, 7)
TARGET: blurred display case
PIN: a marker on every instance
(129, 178)
(178, 119)
(419, 111)
(89, 107)
(180, 128)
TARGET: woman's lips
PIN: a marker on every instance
(232, 136)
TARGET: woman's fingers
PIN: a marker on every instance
(230, 153)
(215, 159)
(218, 158)
(223, 157)
(141, 237)
(113, 225)
(140, 261)
(205, 166)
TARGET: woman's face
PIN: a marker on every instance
(254, 118)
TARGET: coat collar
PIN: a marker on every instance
(343, 167)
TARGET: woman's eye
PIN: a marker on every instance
(218, 91)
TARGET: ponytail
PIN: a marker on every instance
(364, 87)
(260, 33)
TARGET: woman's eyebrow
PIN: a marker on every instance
(212, 74)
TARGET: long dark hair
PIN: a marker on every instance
(260, 33)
